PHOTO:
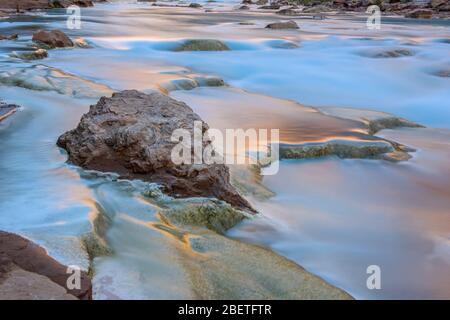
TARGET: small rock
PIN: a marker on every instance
(270, 7)
(81, 43)
(195, 5)
(202, 45)
(285, 45)
(35, 55)
(288, 12)
(11, 37)
(244, 8)
(420, 14)
(395, 53)
(283, 25)
(215, 215)
(317, 9)
(443, 73)
(52, 39)
(339, 147)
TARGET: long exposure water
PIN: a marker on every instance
(332, 216)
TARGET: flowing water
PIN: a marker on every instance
(335, 217)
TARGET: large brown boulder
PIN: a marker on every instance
(130, 134)
(17, 253)
(52, 39)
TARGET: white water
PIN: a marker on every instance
(334, 217)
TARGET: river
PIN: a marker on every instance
(333, 216)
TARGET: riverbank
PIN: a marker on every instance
(27, 272)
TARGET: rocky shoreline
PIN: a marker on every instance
(427, 9)
(11, 7)
(407, 8)
(28, 272)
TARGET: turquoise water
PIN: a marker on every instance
(334, 217)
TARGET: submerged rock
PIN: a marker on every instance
(68, 3)
(338, 147)
(372, 148)
(442, 73)
(25, 268)
(191, 83)
(7, 110)
(33, 55)
(390, 122)
(95, 242)
(362, 145)
(283, 25)
(130, 134)
(10, 37)
(215, 215)
(222, 268)
(392, 53)
(284, 45)
(288, 12)
(248, 180)
(43, 78)
(52, 39)
(81, 43)
(374, 121)
(202, 45)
